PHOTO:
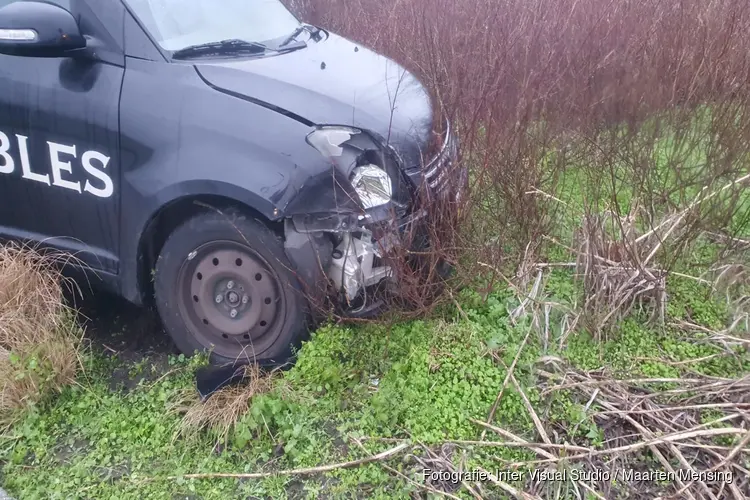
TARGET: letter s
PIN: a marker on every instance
(108, 188)
(8, 165)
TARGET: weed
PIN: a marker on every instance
(39, 340)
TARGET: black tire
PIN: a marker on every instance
(262, 316)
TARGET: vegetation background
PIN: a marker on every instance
(598, 318)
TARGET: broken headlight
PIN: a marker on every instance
(329, 140)
(371, 183)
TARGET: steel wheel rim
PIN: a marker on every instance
(231, 298)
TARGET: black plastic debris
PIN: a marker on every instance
(210, 379)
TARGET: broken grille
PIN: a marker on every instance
(439, 171)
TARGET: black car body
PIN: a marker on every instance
(130, 129)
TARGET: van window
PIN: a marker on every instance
(176, 24)
(65, 4)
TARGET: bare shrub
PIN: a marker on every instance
(605, 105)
(616, 273)
(39, 339)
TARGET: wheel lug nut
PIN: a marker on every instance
(245, 299)
(233, 313)
(219, 298)
(230, 285)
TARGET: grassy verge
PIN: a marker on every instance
(360, 391)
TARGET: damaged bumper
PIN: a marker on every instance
(345, 265)
(348, 254)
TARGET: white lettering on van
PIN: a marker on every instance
(8, 165)
(59, 166)
(23, 148)
(63, 166)
(108, 188)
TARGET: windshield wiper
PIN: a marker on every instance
(219, 48)
(297, 32)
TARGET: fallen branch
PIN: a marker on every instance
(508, 376)
(537, 422)
(407, 478)
(292, 472)
(508, 488)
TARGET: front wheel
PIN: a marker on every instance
(223, 284)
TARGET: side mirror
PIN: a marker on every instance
(38, 29)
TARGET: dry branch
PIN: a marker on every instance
(385, 455)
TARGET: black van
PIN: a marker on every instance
(220, 155)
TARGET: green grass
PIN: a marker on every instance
(422, 380)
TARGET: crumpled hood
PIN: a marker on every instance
(335, 82)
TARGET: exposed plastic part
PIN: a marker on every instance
(328, 140)
(351, 268)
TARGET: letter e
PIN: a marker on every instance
(58, 166)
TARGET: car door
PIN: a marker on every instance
(59, 141)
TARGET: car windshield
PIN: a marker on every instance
(176, 24)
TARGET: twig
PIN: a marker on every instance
(740, 446)
(532, 413)
(518, 444)
(516, 313)
(508, 488)
(672, 438)
(679, 363)
(293, 472)
(675, 408)
(458, 306)
(499, 397)
(516, 441)
(515, 438)
(694, 278)
(695, 203)
(407, 478)
(109, 349)
(545, 265)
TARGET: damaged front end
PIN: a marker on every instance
(346, 252)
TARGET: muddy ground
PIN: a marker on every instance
(117, 328)
(112, 323)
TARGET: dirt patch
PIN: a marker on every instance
(120, 331)
(113, 324)
(65, 452)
